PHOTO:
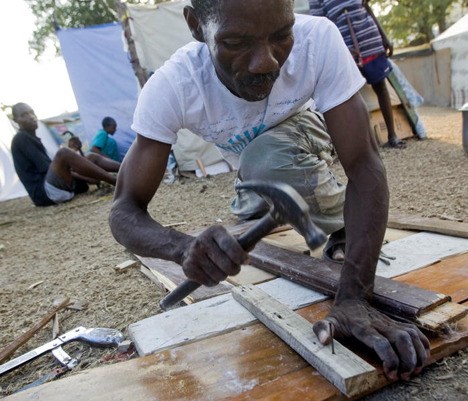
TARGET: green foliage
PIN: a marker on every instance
(410, 22)
(54, 14)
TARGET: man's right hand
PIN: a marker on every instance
(212, 256)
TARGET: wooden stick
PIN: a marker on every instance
(201, 167)
(23, 338)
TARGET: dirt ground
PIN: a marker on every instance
(68, 251)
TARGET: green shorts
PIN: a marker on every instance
(297, 152)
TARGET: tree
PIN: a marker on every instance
(55, 14)
(411, 22)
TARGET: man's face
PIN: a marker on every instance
(249, 44)
(26, 118)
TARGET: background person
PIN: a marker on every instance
(103, 143)
(369, 46)
(47, 181)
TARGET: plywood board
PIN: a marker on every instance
(255, 366)
(210, 317)
(417, 251)
(348, 372)
(449, 276)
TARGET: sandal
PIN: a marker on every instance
(336, 242)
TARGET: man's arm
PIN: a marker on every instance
(402, 347)
(207, 259)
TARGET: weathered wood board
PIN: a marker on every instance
(418, 251)
(210, 317)
(243, 365)
(170, 274)
(447, 227)
(348, 372)
(322, 276)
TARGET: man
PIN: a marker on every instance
(248, 85)
(47, 181)
(103, 143)
(370, 47)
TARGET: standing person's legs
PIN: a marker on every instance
(375, 72)
(385, 104)
(297, 152)
(66, 161)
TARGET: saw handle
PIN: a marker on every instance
(246, 240)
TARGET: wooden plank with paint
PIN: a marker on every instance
(348, 372)
(447, 227)
(210, 317)
(256, 365)
(322, 276)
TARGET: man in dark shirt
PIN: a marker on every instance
(53, 181)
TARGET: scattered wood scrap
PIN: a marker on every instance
(405, 222)
(128, 264)
(348, 372)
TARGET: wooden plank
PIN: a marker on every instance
(210, 317)
(250, 275)
(447, 227)
(418, 251)
(292, 240)
(439, 319)
(349, 373)
(389, 295)
(256, 365)
(170, 274)
(449, 276)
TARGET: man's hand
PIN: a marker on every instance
(212, 256)
(402, 348)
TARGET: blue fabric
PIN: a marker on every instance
(376, 70)
(102, 79)
(106, 144)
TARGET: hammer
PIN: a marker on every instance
(286, 207)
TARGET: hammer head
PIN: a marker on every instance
(287, 206)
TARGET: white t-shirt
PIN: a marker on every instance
(185, 92)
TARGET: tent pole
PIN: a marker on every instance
(124, 18)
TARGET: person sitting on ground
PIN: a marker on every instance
(369, 46)
(47, 181)
(103, 143)
(75, 144)
(278, 93)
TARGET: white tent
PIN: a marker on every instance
(456, 39)
(10, 185)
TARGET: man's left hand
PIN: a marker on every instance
(402, 347)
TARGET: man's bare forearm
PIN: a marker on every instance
(366, 213)
(134, 228)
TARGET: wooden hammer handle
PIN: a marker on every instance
(23, 338)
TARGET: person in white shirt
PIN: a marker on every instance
(278, 94)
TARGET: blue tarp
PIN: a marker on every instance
(102, 79)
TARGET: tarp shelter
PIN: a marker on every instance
(102, 79)
(455, 38)
(10, 185)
